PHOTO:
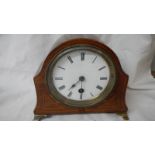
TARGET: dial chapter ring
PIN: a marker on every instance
(86, 103)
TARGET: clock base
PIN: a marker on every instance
(124, 116)
(41, 117)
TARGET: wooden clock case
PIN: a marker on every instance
(47, 105)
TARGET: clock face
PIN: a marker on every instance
(81, 76)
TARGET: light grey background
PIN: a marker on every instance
(21, 57)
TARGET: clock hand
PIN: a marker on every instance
(81, 78)
(74, 85)
(81, 91)
(81, 96)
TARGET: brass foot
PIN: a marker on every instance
(124, 116)
(39, 117)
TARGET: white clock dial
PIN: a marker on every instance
(81, 75)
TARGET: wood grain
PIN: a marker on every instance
(48, 105)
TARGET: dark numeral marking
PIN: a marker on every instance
(70, 59)
(70, 94)
(61, 67)
(58, 78)
(101, 68)
(94, 59)
(92, 94)
(99, 87)
(62, 87)
(103, 78)
(81, 96)
(82, 56)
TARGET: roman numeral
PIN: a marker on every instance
(99, 87)
(94, 59)
(70, 59)
(62, 87)
(81, 96)
(61, 67)
(92, 94)
(103, 78)
(101, 68)
(70, 94)
(58, 78)
(82, 56)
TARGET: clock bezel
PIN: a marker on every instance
(86, 103)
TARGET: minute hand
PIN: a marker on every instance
(74, 85)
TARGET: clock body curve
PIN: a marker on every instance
(80, 76)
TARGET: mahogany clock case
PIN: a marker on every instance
(48, 105)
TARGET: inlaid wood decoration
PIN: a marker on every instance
(81, 76)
